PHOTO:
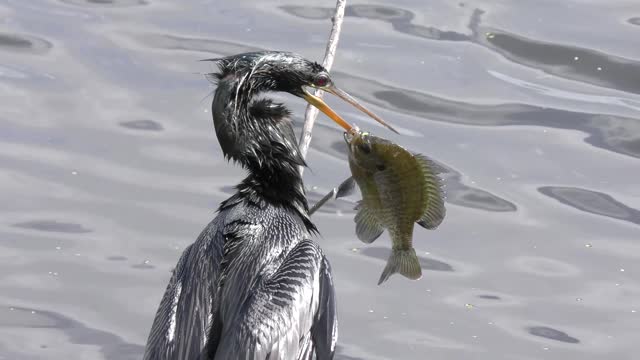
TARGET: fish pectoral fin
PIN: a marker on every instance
(367, 226)
(404, 262)
(435, 211)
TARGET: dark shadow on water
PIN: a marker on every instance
(634, 21)
(426, 263)
(570, 62)
(24, 44)
(462, 195)
(308, 12)
(592, 202)
(490, 297)
(143, 124)
(53, 226)
(110, 345)
(117, 258)
(552, 334)
(106, 3)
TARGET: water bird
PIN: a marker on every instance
(254, 285)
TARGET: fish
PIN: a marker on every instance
(399, 188)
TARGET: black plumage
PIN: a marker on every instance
(254, 285)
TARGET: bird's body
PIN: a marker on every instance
(254, 286)
(202, 318)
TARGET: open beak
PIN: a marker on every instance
(322, 106)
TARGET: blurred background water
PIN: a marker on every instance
(109, 167)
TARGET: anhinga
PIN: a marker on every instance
(253, 285)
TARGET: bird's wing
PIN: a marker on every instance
(324, 332)
(298, 301)
(179, 330)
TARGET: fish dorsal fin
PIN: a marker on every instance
(367, 226)
(435, 210)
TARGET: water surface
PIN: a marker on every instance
(110, 168)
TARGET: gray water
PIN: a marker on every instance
(110, 168)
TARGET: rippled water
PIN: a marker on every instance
(110, 168)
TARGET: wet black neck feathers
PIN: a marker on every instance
(257, 133)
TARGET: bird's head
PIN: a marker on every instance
(287, 72)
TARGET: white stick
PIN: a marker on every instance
(312, 112)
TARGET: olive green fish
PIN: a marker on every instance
(398, 189)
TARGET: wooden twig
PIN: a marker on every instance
(345, 189)
(312, 112)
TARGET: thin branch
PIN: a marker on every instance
(345, 189)
(312, 112)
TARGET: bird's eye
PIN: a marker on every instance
(321, 80)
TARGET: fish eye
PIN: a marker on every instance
(365, 147)
(321, 80)
(381, 167)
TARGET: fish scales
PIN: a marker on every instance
(398, 189)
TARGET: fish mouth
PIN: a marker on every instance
(348, 138)
(327, 110)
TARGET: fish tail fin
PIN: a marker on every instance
(404, 262)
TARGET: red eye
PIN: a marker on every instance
(321, 80)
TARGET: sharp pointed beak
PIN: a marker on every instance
(346, 97)
(322, 106)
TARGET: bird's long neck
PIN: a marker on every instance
(258, 134)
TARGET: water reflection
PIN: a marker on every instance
(309, 12)
(24, 43)
(107, 3)
(615, 133)
(400, 19)
(552, 334)
(570, 62)
(463, 195)
(143, 266)
(592, 202)
(145, 124)
(53, 226)
(379, 12)
(111, 346)
(425, 262)
(542, 266)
